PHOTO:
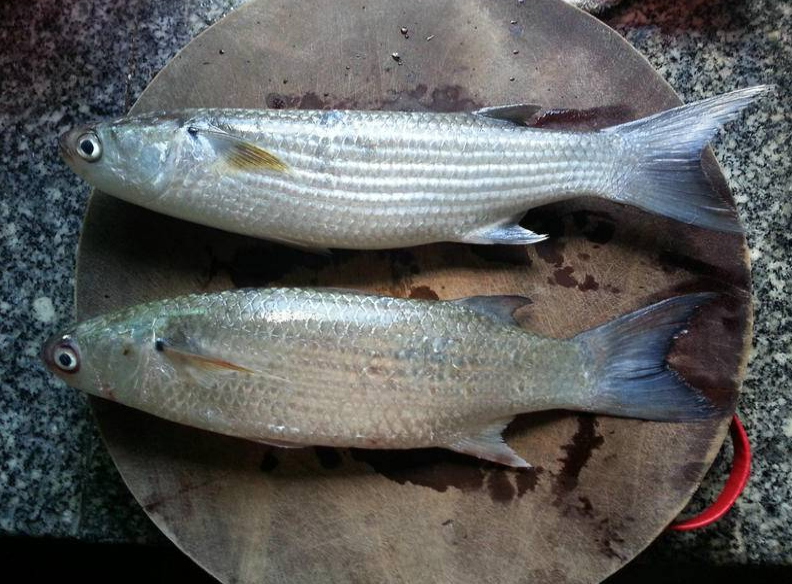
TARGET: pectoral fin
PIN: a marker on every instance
(498, 308)
(504, 234)
(190, 357)
(517, 113)
(487, 443)
(240, 154)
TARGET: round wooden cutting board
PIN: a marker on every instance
(602, 488)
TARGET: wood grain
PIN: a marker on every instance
(602, 488)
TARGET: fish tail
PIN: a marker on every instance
(665, 160)
(631, 374)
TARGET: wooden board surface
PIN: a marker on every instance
(602, 488)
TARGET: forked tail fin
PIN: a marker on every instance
(665, 160)
(628, 357)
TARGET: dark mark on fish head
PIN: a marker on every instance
(328, 457)
(588, 283)
(269, 462)
(423, 293)
(578, 452)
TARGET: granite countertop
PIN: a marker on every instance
(76, 60)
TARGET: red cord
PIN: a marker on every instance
(741, 469)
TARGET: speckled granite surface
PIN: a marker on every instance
(74, 60)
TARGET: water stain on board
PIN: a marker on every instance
(608, 539)
(435, 468)
(598, 228)
(269, 462)
(328, 458)
(446, 98)
(423, 293)
(439, 469)
(563, 277)
(577, 454)
(588, 283)
(510, 255)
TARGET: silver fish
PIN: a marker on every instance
(382, 179)
(295, 367)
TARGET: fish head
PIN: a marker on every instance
(107, 356)
(134, 159)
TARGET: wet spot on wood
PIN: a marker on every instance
(500, 487)
(550, 252)
(691, 472)
(512, 255)
(424, 293)
(588, 283)
(586, 509)
(261, 265)
(527, 479)
(564, 277)
(278, 101)
(434, 468)
(609, 539)
(671, 261)
(269, 462)
(328, 457)
(578, 452)
(596, 227)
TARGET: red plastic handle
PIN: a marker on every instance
(741, 470)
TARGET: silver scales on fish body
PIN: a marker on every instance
(381, 179)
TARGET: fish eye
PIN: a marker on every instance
(89, 147)
(65, 358)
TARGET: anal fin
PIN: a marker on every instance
(487, 443)
(504, 234)
(279, 443)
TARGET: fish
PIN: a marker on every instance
(295, 367)
(327, 179)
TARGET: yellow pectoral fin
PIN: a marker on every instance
(247, 156)
(240, 154)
